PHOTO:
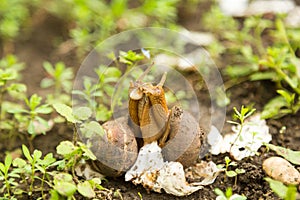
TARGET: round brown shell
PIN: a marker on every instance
(117, 150)
(184, 140)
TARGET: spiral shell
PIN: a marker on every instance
(117, 150)
(184, 140)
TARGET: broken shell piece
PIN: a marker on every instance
(149, 160)
(270, 6)
(155, 174)
(206, 172)
(293, 18)
(233, 7)
(171, 179)
(281, 170)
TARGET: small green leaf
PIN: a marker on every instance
(263, 76)
(278, 187)
(65, 177)
(55, 195)
(65, 111)
(45, 109)
(37, 154)
(65, 188)
(8, 161)
(228, 192)
(47, 82)
(89, 129)
(17, 87)
(65, 148)
(237, 197)
(82, 113)
(219, 192)
(291, 193)
(272, 108)
(34, 101)
(48, 67)
(2, 168)
(290, 155)
(86, 189)
(26, 153)
(48, 160)
(227, 160)
(231, 173)
(288, 97)
(19, 162)
(239, 171)
(30, 128)
(86, 151)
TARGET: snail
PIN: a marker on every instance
(149, 120)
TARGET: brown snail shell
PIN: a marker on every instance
(117, 150)
(184, 142)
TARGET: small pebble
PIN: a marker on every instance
(281, 170)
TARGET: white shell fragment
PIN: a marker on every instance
(270, 6)
(155, 174)
(171, 178)
(207, 172)
(148, 163)
(293, 18)
(281, 170)
(254, 133)
(233, 7)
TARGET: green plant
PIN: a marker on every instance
(8, 177)
(282, 69)
(231, 173)
(13, 16)
(284, 192)
(21, 175)
(9, 75)
(288, 154)
(241, 116)
(33, 164)
(59, 77)
(72, 154)
(64, 186)
(255, 59)
(228, 195)
(30, 120)
(97, 20)
(98, 94)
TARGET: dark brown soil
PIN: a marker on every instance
(38, 48)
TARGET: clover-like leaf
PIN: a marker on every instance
(65, 148)
(66, 112)
(91, 128)
(65, 188)
(86, 189)
(82, 113)
(288, 154)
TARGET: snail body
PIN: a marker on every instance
(176, 131)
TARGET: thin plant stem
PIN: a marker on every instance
(7, 184)
(2, 91)
(42, 184)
